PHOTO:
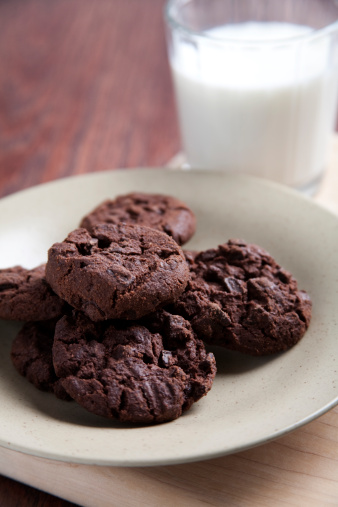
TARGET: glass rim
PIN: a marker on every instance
(305, 37)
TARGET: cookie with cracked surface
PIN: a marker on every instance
(157, 211)
(31, 355)
(241, 299)
(26, 296)
(117, 271)
(140, 372)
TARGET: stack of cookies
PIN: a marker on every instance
(118, 317)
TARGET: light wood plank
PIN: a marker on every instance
(299, 469)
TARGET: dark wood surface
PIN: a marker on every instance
(84, 86)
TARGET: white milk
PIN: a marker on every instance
(266, 111)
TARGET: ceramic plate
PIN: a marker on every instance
(253, 400)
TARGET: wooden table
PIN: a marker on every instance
(85, 86)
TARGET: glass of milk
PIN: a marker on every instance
(256, 84)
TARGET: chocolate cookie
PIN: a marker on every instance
(161, 212)
(117, 271)
(131, 371)
(241, 299)
(26, 296)
(32, 356)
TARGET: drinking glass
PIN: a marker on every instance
(256, 85)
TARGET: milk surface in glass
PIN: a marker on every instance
(265, 109)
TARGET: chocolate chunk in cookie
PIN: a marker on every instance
(117, 271)
(26, 296)
(131, 371)
(241, 299)
(32, 356)
(160, 212)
